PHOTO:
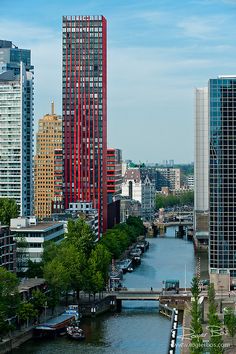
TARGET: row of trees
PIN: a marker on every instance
(118, 239)
(214, 324)
(184, 198)
(78, 263)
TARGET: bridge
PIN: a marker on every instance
(177, 300)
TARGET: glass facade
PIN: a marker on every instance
(222, 171)
(16, 126)
(84, 100)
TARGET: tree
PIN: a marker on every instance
(196, 346)
(81, 236)
(230, 322)
(9, 296)
(38, 300)
(26, 311)
(50, 250)
(215, 342)
(8, 210)
(35, 269)
(5, 326)
(97, 271)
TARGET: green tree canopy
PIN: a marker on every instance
(8, 210)
(9, 296)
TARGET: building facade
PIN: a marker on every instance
(34, 234)
(139, 187)
(84, 100)
(168, 177)
(201, 166)
(222, 182)
(16, 126)
(85, 210)
(114, 173)
(48, 166)
(7, 249)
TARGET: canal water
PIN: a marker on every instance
(139, 328)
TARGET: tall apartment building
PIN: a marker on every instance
(114, 173)
(48, 166)
(201, 166)
(16, 126)
(84, 99)
(222, 181)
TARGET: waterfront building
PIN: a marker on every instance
(16, 126)
(129, 207)
(7, 248)
(84, 100)
(138, 186)
(48, 166)
(222, 182)
(201, 166)
(33, 234)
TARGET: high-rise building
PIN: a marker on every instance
(16, 126)
(114, 173)
(222, 181)
(201, 166)
(48, 166)
(84, 101)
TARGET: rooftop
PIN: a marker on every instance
(41, 226)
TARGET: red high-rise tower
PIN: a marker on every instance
(84, 101)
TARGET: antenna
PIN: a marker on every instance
(52, 108)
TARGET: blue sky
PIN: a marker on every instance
(158, 52)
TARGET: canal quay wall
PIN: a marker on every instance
(16, 340)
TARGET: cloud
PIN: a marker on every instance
(202, 28)
(24, 32)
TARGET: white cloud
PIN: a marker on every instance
(202, 28)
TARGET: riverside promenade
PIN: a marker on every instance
(223, 300)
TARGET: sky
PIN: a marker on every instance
(159, 51)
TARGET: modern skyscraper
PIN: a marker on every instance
(16, 126)
(48, 166)
(201, 166)
(222, 181)
(84, 100)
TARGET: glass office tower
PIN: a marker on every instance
(84, 100)
(16, 126)
(222, 181)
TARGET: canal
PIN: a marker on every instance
(138, 328)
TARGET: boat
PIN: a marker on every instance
(75, 332)
(57, 325)
(53, 327)
(125, 265)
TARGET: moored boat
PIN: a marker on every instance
(74, 332)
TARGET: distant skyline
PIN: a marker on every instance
(158, 53)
